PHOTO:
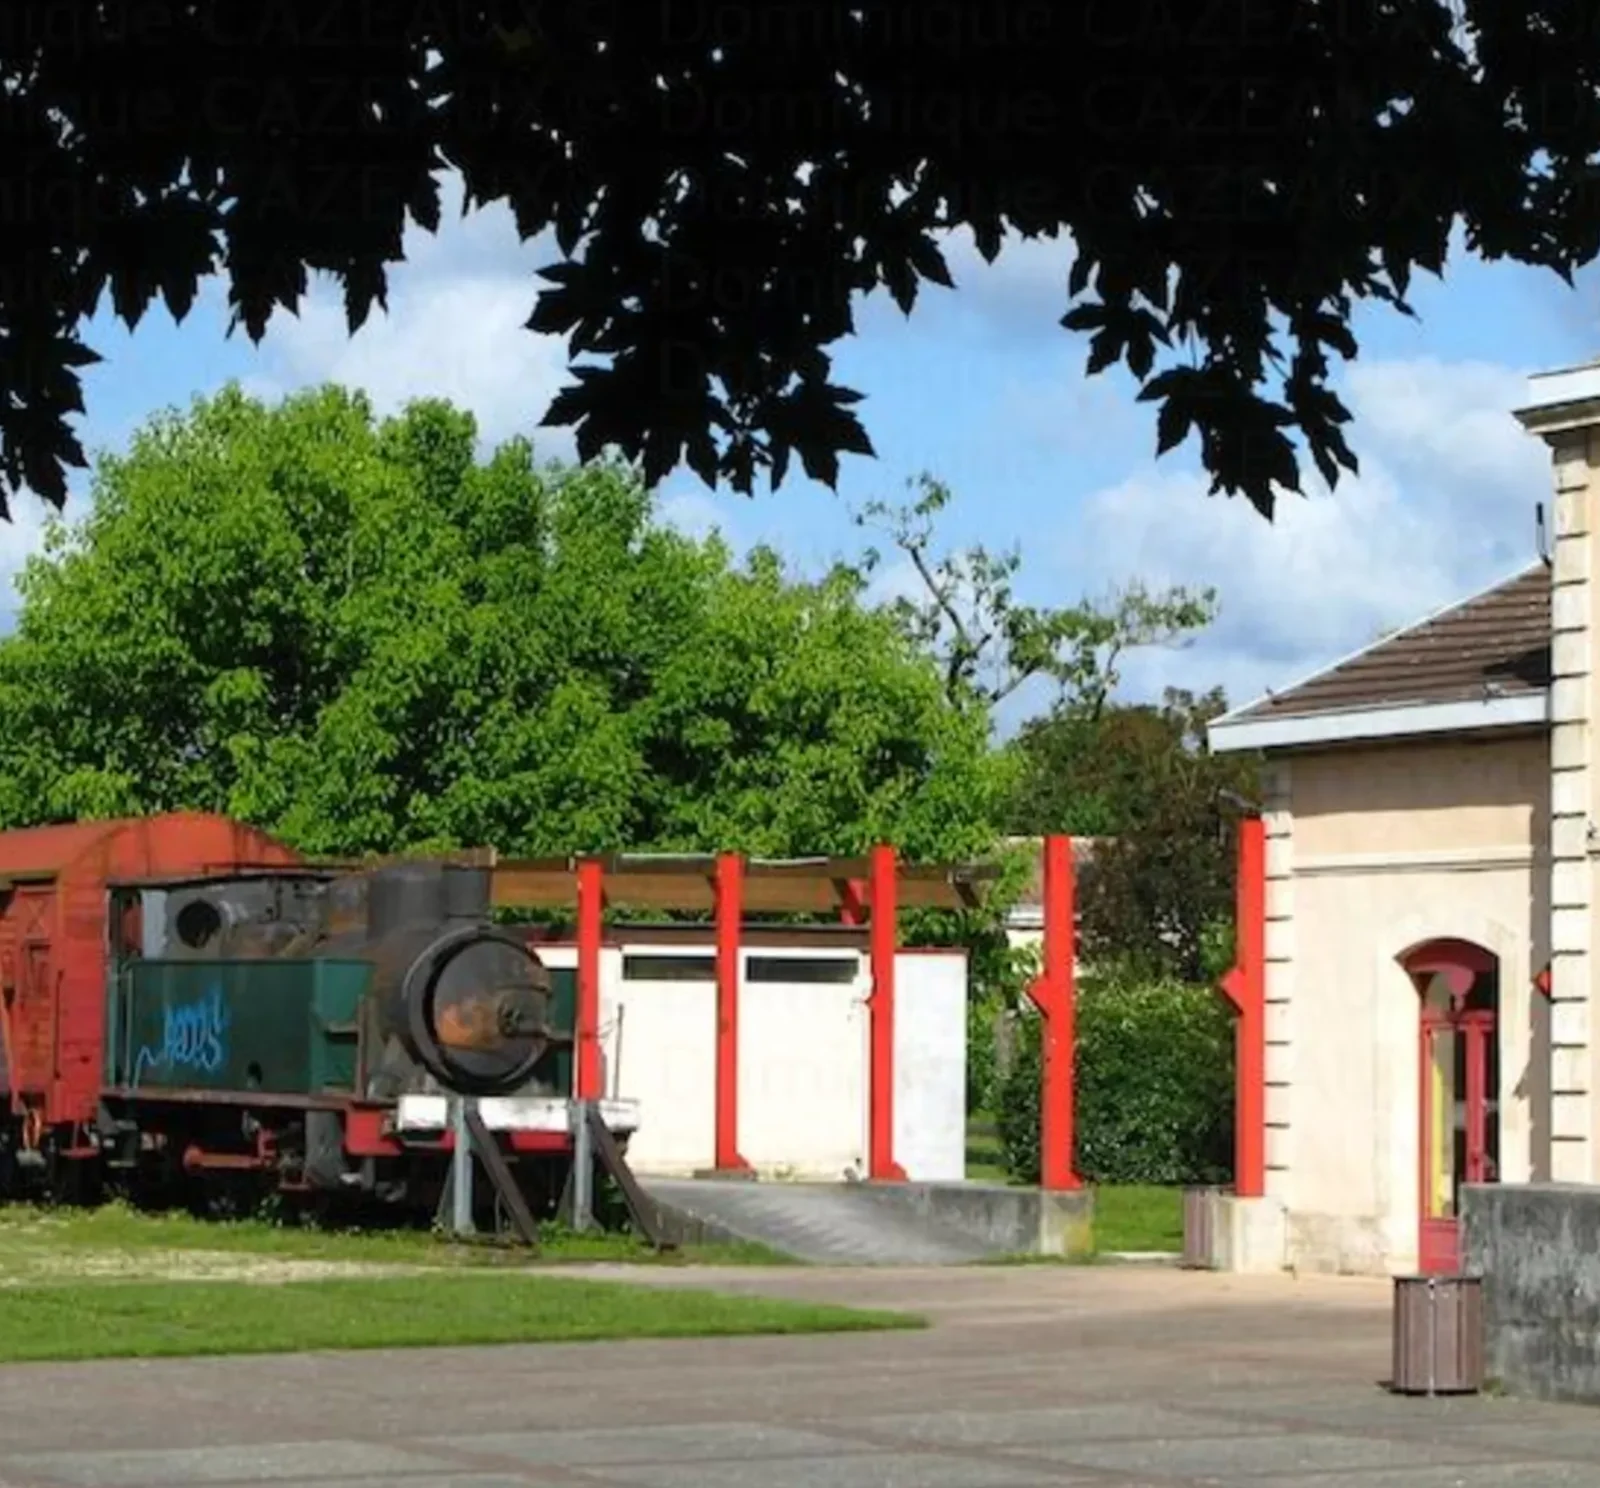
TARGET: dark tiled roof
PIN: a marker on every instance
(1495, 644)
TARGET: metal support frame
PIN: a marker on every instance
(873, 898)
(642, 1209)
(461, 1167)
(582, 1167)
(884, 937)
(729, 925)
(586, 1034)
(1245, 987)
(1054, 993)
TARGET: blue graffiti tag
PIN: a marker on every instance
(194, 1037)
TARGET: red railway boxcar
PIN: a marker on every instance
(54, 943)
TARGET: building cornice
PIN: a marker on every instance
(1401, 721)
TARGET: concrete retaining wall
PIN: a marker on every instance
(1537, 1247)
(1004, 1220)
(878, 1223)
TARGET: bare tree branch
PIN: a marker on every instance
(990, 645)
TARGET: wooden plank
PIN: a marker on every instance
(806, 887)
(488, 1152)
(640, 1205)
(532, 886)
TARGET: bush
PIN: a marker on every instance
(981, 1054)
(1154, 1086)
(1000, 972)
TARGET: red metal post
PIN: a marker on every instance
(586, 1033)
(730, 915)
(880, 1080)
(1246, 988)
(1054, 993)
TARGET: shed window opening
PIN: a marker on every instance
(826, 970)
(662, 968)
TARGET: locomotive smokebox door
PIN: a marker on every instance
(478, 1010)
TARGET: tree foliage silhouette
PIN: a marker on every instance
(723, 180)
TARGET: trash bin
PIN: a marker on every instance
(1200, 1229)
(1438, 1335)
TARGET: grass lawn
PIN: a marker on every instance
(114, 1283)
(1138, 1217)
(140, 1319)
(35, 1242)
(984, 1162)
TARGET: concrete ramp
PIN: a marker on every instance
(849, 1224)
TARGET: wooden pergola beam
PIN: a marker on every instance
(803, 886)
(685, 882)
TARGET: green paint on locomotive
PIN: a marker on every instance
(282, 1027)
(554, 1071)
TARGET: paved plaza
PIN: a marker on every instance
(1098, 1375)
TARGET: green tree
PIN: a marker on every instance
(359, 635)
(724, 183)
(1161, 889)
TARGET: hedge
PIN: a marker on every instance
(982, 1054)
(1154, 1086)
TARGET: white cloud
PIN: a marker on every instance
(1074, 413)
(1444, 506)
(895, 579)
(461, 339)
(1020, 297)
(482, 241)
(1023, 291)
(1428, 414)
(455, 329)
(699, 513)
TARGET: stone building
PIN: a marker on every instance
(1431, 820)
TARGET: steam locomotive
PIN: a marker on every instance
(261, 1029)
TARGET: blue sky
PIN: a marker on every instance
(984, 389)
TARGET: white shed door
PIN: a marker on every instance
(803, 1063)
